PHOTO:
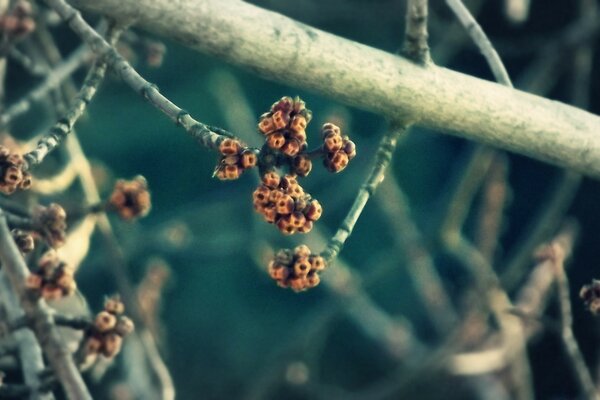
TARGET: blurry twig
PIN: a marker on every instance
(415, 37)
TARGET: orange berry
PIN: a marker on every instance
(271, 180)
(314, 211)
(114, 305)
(112, 345)
(298, 284)
(278, 272)
(302, 267)
(312, 279)
(261, 195)
(291, 147)
(280, 119)
(332, 142)
(330, 128)
(231, 172)
(265, 124)
(285, 205)
(284, 225)
(317, 262)
(302, 251)
(276, 140)
(105, 321)
(248, 159)
(298, 123)
(229, 147)
(302, 165)
(349, 148)
(336, 162)
(297, 219)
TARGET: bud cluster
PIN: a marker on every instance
(18, 22)
(285, 126)
(51, 222)
(110, 326)
(338, 149)
(590, 294)
(297, 269)
(53, 279)
(23, 240)
(12, 172)
(283, 202)
(131, 199)
(235, 159)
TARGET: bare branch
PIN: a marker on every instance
(415, 35)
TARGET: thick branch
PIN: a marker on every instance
(278, 48)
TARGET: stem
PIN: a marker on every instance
(415, 35)
(42, 318)
(382, 159)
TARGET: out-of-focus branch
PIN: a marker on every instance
(415, 35)
(371, 79)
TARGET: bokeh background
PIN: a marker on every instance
(225, 330)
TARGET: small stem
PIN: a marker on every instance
(52, 81)
(42, 317)
(481, 40)
(199, 131)
(415, 36)
(382, 159)
(64, 126)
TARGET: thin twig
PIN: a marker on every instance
(415, 35)
(481, 40)
(27, 63)
(131, 77)
(52, 81)
(556, 254)
(382, 159)
(42, 318)
(64, 126)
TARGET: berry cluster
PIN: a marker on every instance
(283, 202)
(235, 159)
(12, 172)
(284, 126)
(53, 279)
(110, 326)
(590, 294)
(131, 199)
(51, 223)
(297, 269)
(338, 150)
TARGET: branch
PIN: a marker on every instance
(284, 50)
(42, 318)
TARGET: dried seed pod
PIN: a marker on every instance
(317, 262)
(12, 174)
(105, 321)
(280, 119)
(307, 227)
(51, 292)
(285, 104)
(291, 147)
(131, 199)
(298, 284)
(270, 214)
(297, 219)
(312, 279)
(349, 148)
(329, 128)
(93, 344)
(33, 282)
(285, 205)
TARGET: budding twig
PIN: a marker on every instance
(481, 40)
(52, 81)
(382, 159)
(131, 77)
(42, 317)
(64, 126)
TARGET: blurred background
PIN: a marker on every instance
(198, 261)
